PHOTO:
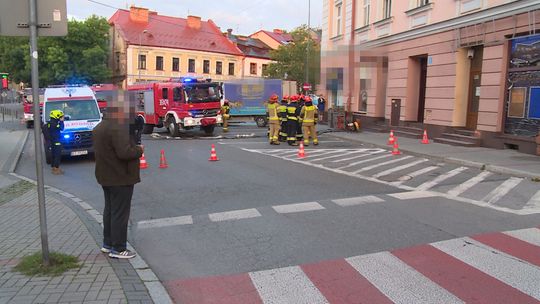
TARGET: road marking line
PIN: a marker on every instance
(382, 164)
(307, 152)
(534, 202)
(429, 184)
(413, 195)
(501, 266)
(286, 285)
(344, 154)
(502, 190)
(469, 184)
(234, 215)
(311, 157)
(386, 172)
(301, 207)
(364, 161)
(531, 235)
(414, 174)
(318, 157)
(358, 156)
(353, 201)
(398, 281)
(166, 222)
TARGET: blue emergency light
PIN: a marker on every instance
(188, 80)
(67, 136)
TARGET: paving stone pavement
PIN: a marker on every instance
(71, 231)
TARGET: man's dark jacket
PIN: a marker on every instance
(117, 156)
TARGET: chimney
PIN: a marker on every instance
(194, 22)
(278, 31)
(229, 32)
(138, 14)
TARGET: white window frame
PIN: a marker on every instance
(366, 8)
(420, 3)
(387, 9)
(338, 11)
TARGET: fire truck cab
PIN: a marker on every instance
(179, 104)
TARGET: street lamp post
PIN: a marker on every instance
(308, 42)
(139, 54)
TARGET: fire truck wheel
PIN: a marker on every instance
(261, 121)
(209, 130)
(148, 129)
(174, 130)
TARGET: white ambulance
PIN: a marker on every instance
(81, 114)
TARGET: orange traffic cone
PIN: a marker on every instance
(391, 138)
(162, 161)
(301, 151)
(213, 155)
(142, 163)
(396, 151)
(425, 139)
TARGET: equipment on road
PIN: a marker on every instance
(391, 138)
(179, 104)
(142, 163)
(395, 150)
(162, 161)
(213, 155)
(301, 151)
(425, 139)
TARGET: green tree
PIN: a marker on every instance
(79, 57)
(290, 59)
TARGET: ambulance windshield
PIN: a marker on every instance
(203, 93)
(75, 109)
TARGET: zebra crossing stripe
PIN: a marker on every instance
(286, 285)
(531, 235)
(353, 201)
(502, 190)
(382, 164)
(429, 184)
(534, 202)
(355, 157)
(512, 246)
(414, 174)
(413, 195)
(399, 168)
(340, 155)
(398, 281)
(468, 184)
(166, 222)
(497, 265)
(302, 207)
(364, 161)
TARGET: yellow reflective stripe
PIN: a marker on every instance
(57, 144)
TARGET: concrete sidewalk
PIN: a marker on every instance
(500, 161)
(74, 228)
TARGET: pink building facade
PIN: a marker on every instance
(468, 71)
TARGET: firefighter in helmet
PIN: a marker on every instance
(225, 109)
(299, 105)
(273, 119)
(282, 112)
(54, 127)
(309, 120)
(292, 121)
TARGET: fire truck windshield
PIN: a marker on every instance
(203, 93)
(75, 109)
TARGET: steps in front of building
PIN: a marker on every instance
(460, 137)
(410, 132)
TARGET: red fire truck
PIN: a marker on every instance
(28, 106)
(104, 94)
(179, 104)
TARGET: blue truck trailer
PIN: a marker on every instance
(247, 98)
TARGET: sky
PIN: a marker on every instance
(243, 16)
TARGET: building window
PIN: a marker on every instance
(176, 64)
(338, 18)
(421, 2)
(159, 63)
(253, 68)
(387, 9)
(219, 67)
(142, 62)
(206, 67)
(231, 68)
(264, 68)
(365, 10)
(191, 67)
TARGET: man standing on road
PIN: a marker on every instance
(282, 109)
(292, 121)
(54, 127)
(225, 110)
(309, 120)
(273, 119)
(117, 171)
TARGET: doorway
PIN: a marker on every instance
(395, 112)
(422, 88)
(475, 54)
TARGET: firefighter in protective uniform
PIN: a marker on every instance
(299, 105)
(282, 112)
(292, 121)
(225, 109)
(54, 127)
(309, 120)
(273, 119)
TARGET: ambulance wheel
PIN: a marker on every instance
(209, 130)
(148, 129)
(174, 130)
(261, 121)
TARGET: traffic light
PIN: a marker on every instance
(5, 80)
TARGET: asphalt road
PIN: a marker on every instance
(254, 183)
